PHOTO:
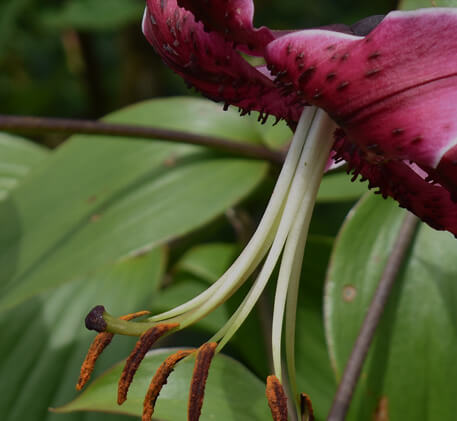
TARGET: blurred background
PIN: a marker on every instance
(85, 58)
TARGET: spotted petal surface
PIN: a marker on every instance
(392, 89)
(405, 183)
(210, 63)
(233, 19)
(393, 92)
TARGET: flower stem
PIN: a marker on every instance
(27, 124)
(354, 365)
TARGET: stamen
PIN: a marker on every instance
(277, 399)
(203, 360)
(100, 342)
(257, 247)
(306, 408)
(159, 380)
(147, 339)
(298, 205)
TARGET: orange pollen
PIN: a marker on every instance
(147, 339)
(277, 399)
(159, 380)
(306, 408)
(131, 316)
(203, 360)
(100, 342)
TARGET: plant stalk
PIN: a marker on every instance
(27, 124)
(354, 365)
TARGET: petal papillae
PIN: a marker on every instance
(393, 91)
(233, 20)
(211, 64)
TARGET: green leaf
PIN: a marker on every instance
(92, 15)
(98, 199)
(339, 188)
(232, 392)
(410, 371)
(17, 157)
(418, 4)
(274, 136)
(314, 373)
(208, 261)
(44, 340)
(10, 12)
(200, 266)
(183, 290)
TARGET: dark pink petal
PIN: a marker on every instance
(209, 63)
(232, 19)
(406, 184)
(394, 92)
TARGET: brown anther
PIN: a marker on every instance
(147, 339)
(277, 399)
(100, 342)
(159, 380)
(132, 316)
(203, 360)
(306, 408)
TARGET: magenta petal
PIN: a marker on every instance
(210, 64)
(232, 19)
(406, 184)
(394, 91)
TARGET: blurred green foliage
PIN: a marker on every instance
(85, 58)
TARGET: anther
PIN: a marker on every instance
(203, 360)
(147, 339)
(277, 400)
(306, 408)
(159, 380)
(101, 341)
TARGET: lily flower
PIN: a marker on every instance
(380, 95)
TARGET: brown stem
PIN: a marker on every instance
(22, 124)
(354, 365)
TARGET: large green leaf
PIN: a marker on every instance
(410, 372)
(418, 4)
(44, 340)
(203, 265)
(208, 261)
(338, 187)
(93, 14)
(17, 157)
(314, 373)
(98, 199)
(232, 392)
